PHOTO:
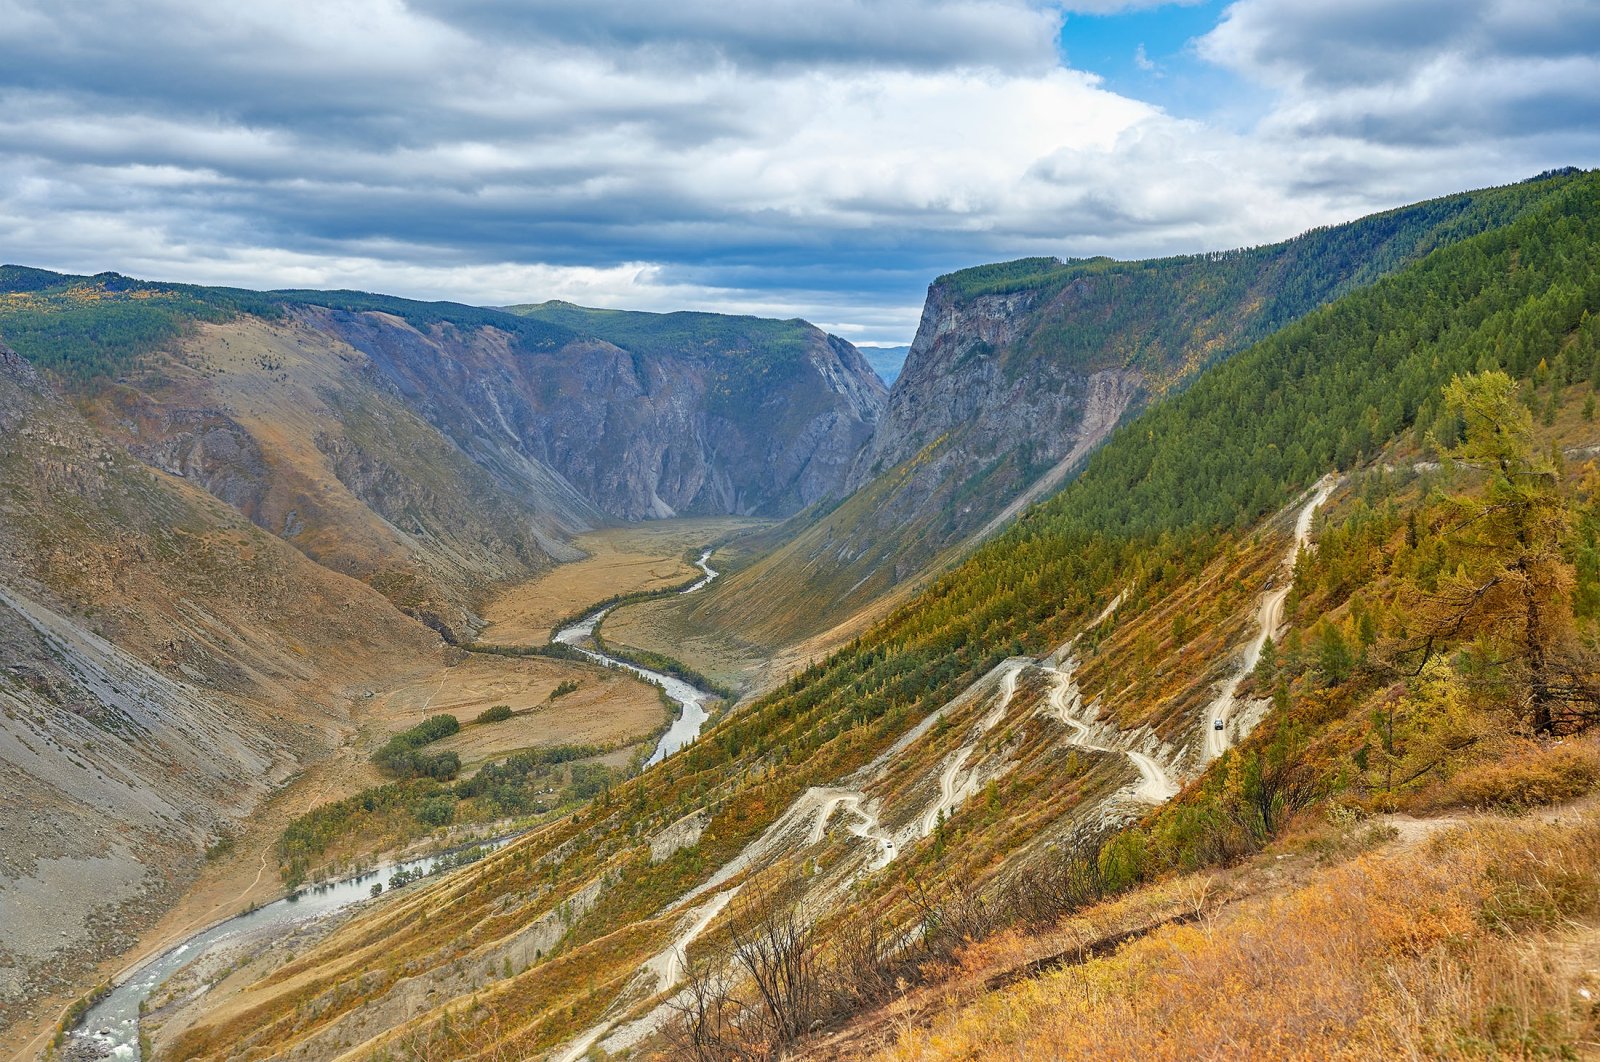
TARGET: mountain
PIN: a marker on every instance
(885, 361)
(436, 450)
(1138, 723)
(229, 520)
(164, 666)
(701, 414)
(1020, 370)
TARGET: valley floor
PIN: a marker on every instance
(608, 709)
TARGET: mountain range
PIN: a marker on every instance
(1149, 590)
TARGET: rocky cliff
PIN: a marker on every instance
(692, 413)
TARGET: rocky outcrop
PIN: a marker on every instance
(667, 417)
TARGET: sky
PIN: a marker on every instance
(823, 159)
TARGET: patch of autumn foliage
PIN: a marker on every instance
(1453, 948)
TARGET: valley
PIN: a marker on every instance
(608, 709)
(1144, 577)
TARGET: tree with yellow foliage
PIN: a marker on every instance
(1511, 584)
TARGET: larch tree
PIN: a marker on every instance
(1511, 582)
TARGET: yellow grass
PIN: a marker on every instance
(620, 560)
(607, 707)
(1475, 945)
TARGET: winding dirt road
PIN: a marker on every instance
(1269, 618)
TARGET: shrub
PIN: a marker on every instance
(399, 756)
(1533, 778)
(495, 714)
(437, 811)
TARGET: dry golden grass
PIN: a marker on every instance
(1475, 945)
(607, 706)
(1534, 776)
(620, 560)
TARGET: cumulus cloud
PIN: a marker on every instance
(778, 33)
(819, 159)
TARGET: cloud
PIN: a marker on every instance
(1117, 7)
(1425, 73)
(821, 160)
(777, 33)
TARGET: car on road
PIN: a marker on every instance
(1216, 724)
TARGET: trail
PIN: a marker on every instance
(956, 785)
(805, 822)
(670, 965)
(1269, 618)
(1155, 787)
(668, 969)
(248, 889)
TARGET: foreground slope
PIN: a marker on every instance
(987, 746)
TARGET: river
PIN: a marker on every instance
(691, 700)
(110, 1028)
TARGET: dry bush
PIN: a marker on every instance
(1429, 952)
(1537, 776)
(1053, 888)
(865, 966)
(765, 993)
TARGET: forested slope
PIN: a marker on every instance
(1136, 583)
(1022, 369)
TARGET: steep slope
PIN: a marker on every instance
(745, 416)
(281, 419)
(1002, 725)
(163, 665)
(1019, 370)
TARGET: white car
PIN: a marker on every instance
(1216, 724)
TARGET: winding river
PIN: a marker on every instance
(691, 700)
(110, 1028)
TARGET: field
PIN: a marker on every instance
(607, 707)
(620, 561)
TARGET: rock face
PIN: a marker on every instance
(645, 415)
(971, 427)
